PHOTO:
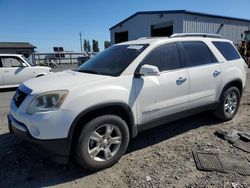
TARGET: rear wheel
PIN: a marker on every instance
(102, 142)
(229, 104)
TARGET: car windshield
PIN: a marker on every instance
(112, 61)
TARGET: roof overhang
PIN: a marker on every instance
(16, 45)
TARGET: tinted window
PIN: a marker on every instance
(198, 53)
(112, 61)
(165, 57)
(227, 50)
(11, 62)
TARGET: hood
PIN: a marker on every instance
(66, 80)
(42, 68)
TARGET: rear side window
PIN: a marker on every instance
(165, 57)
(197, 53)
(227, 50)
(11, 62)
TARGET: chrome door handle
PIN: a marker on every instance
(180, 80)
(216, 73)
(6, 71)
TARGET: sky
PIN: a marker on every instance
(48, 23)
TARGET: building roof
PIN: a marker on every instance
(179, 12)
(16, 45)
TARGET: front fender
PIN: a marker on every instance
(101, 106)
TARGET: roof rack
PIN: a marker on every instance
(210, 35)
(144, 38)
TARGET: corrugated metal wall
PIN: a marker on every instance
(140, 25)
(229, 29)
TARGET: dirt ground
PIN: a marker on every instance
(160, 157)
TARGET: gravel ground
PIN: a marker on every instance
(160, 157)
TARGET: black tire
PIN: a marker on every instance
(82, 152)
(220, 112)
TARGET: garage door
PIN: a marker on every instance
(162, 30)
(121, 37)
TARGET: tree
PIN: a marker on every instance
(107, 44)
(95, 46)
(88, 46)
(85, 45)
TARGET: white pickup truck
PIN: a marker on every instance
(14, 69)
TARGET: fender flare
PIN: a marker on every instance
(230, 83)
(126, 107)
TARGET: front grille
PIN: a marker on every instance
(19, 97)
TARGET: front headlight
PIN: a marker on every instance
(49, 101)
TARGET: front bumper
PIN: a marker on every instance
(56, 149)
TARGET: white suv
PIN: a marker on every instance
(93, 112)
(14, 69)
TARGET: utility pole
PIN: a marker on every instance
(80, 40)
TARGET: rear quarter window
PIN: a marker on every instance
(227, 50)
(197, 53)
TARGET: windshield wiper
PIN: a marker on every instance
(89, 71)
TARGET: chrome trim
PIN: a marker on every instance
(210, 35)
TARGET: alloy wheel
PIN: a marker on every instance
(104, 142)
(230, 104)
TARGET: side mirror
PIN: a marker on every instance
(149, 70)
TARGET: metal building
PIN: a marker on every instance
(24, 48)
(165, 23)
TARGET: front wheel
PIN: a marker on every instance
(102, 142)
(229, 104)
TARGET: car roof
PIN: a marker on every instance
(14, 55)
(139, 41)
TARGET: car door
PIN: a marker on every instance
(15, 71)
(204, 73)
(159, 96)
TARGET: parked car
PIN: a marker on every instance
(82, 59)
(14, 69)
(92, 113)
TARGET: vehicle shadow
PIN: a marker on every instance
(158, 134)
(20, 165)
